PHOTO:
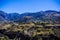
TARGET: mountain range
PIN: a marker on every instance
(46, 16)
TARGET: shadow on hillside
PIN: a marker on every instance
(12, 35)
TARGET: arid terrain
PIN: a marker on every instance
(43, 25)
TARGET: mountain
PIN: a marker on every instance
(2, 16)
(13, 17)
(49, 15)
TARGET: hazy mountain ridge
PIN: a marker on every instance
(49, 15)
(15, 24)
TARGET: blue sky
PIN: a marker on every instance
(21, 6)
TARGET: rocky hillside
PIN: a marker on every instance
(50, 16)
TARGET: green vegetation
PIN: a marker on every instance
(32, 29)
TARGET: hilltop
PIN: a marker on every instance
(50, 16)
